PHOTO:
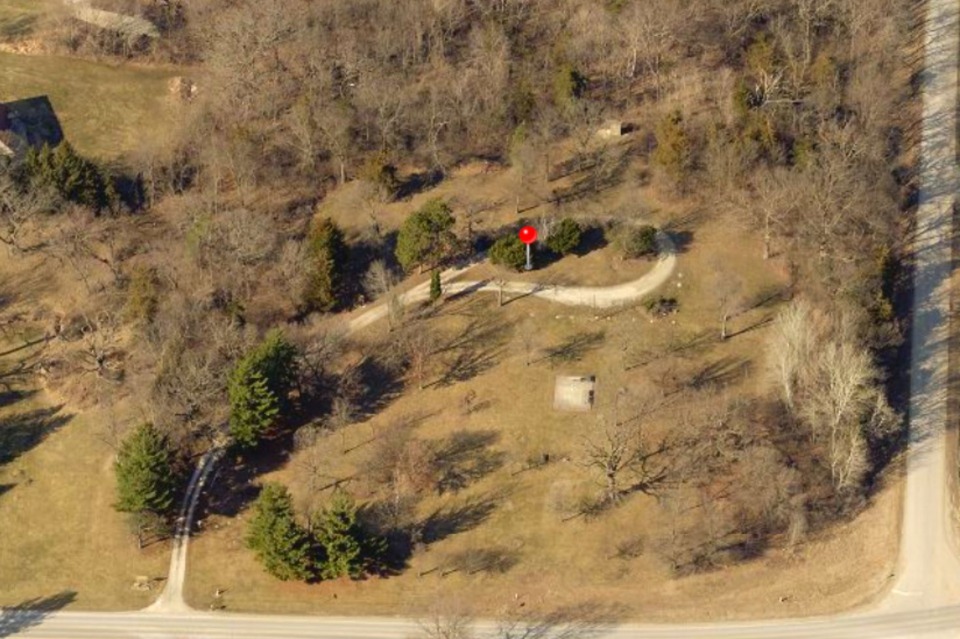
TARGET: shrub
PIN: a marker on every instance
(143, 297)
(565, 237)
(509, 251)
(673, 151)
(638, 242)
(426, 237)
(662, 306)
(378, 172)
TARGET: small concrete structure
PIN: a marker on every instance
(611, 129)
(574, 393)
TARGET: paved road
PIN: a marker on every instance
(925, 600)
(929, 574)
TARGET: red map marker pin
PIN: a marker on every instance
(528, 235)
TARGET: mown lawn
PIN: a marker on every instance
(17, 17)
(106, 111)
(61, 537)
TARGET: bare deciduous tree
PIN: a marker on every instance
(378, 280)
(622, 453)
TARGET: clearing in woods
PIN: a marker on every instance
(106, 111)
(512, 531)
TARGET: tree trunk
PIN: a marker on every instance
(766, 237)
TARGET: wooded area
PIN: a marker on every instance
(209, 273)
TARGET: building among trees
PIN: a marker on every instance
(26, 123)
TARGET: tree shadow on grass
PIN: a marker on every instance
(720, 373)
(475, 349)
(580, 621)
(465, 457)
(574, 347)
(12, 396)
(232, 487)
(21, 432)
(490, 560)
(381, 383)
(447, 521)
(30, 613)
(592, 239)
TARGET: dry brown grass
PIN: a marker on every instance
(106, 110)
(553, 562)
(60, 532)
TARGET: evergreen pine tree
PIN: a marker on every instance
(276, 359)
(673, 146)
(436, 289)
(259, 387)
(73, 177)
(328, 255)
(253, 407)
(336, 529)
(280, 544)
(145, 480)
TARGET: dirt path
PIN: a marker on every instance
(171, 598)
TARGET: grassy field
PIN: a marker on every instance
(545, 559)
(60, 534)
(61, 537)
(106, 111)
(17, 17)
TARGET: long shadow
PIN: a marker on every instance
(472, 561)
(23, 431)
(232, 487)
(30, 613)
(585, 620)
(575, 347)
(591, 239)
(35, 120)
(12, 396)
(465, 457)
(682, 240)
(720, 373)
(418, 183)
(474, 349)
(448, 521)
(381, 385)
